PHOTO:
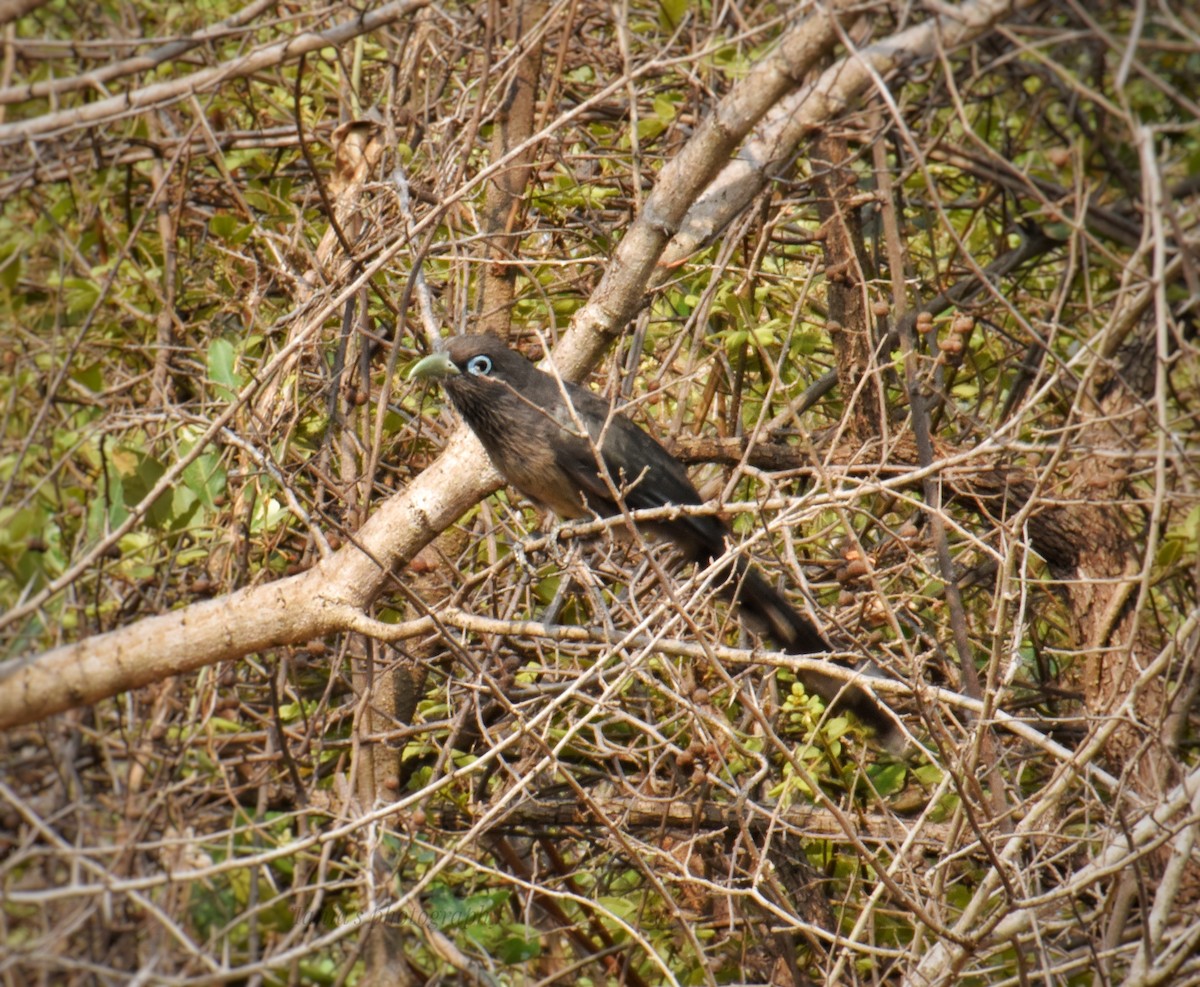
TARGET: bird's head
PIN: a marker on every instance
(492, 386)
(474, 364)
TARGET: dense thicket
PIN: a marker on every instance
(294, 694)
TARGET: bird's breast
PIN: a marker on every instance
(521, 443)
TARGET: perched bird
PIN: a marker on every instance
(566, 449)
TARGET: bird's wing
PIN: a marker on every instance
(648, 476)
(645, 474)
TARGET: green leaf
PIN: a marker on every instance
(139, 473)
(80, 295)
(672, 12)
(221, 360)
(206, 478)
(91, 377)
(447, 909)
(10, 267)
(546, 589)
(622, 908)
(522, 943)
(929, 775)
(889, 778)
(229, 228)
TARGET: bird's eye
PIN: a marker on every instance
(479, 365)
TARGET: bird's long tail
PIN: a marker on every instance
(767, 612)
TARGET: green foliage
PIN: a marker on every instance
(450, 911)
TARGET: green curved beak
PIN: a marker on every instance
(436, 365)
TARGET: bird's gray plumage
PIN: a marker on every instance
(543, 435)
